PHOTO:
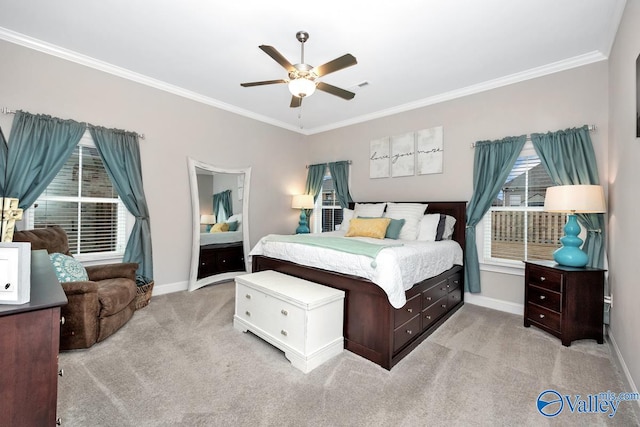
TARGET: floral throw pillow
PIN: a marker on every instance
(68, 269)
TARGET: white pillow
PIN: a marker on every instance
(347, 214)
(236, 217)
(371, 210)
(412, 213)
(449, 223)
(429, 227)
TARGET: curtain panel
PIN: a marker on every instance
(493, 160)
(569, 159)
(222, 199)
(340, 173)
(39, 146)
(3, 163)
(121, 156)
(314, 183)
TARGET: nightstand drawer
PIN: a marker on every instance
(436, 310)
(410, 309)
(545, 317)
(404, 333)
(434, 293)
(545, 278)
(546, 298)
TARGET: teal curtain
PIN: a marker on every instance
(3, 163)
(222, 199)
(491, 166)
(314, 183)
(120, 153)
(39, 146)
(569, 159)
(340, 174)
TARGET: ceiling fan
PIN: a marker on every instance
(303, 78)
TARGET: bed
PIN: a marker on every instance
(373, 327)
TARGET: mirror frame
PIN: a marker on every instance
(194, 283)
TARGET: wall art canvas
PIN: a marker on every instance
(379, 158)
(403, 155)
(429, 150)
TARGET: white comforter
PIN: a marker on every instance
(398, 268)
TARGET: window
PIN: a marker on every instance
(516, 227)
(83, 202)
(328, 212)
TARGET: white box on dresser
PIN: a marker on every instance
(301, 318)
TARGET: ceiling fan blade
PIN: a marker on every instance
(333, 90)
(295, 102)
(337, 64)
(266, 82)
(277, 56)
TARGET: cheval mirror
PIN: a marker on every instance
(220, 217)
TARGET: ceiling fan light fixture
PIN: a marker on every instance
(302, 87)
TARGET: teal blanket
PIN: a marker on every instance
(342, 244)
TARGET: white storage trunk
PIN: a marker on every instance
(301, 318)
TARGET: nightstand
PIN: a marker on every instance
(566, 302)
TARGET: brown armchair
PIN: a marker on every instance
(98, 307)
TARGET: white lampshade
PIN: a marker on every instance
(302, 201)
(207, 219)
(575, 199)
(302, 87)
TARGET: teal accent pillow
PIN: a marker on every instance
(68, 269)
(233, 226)
(393, 230)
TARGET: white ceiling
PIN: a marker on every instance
(411, 52)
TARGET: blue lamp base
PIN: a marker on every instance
(303, 227)
(570, 253)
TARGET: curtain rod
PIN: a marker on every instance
(307, 166)
(592, 128)
(5, 110)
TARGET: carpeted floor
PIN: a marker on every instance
(179, 362)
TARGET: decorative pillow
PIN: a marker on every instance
(449, 224)
(394, 228)
(68, 269)
(412, 213)
(347, 214)
(429, 227)
(368, 227)
(374, 210)
(236, 217)
(219, 227)
(233, 225)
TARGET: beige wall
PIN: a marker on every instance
(567, 99)
(624, 204)
(175, 128)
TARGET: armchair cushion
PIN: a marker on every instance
(126, 270)
(114, 295)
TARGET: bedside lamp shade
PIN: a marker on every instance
(208, 220)
(302, 202)
(573, 199)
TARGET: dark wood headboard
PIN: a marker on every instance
(458, 210)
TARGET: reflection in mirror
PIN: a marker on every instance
(220, 218)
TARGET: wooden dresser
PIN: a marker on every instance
(29, 344)
(301, 318)
(221, 258)
(567, 302)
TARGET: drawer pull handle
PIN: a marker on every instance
(542, 278)
(444, 306)
(410, 310)
(543, 297)
(409, 332)
(428, 298)
(248, 296)
(58, 421)
(61, 372)
(284, 312)
(542, 316)
(428, 317)
(247, 313)
(283, 332)
(62, 320)
(443, 289)
(456, 281)
(448, 286)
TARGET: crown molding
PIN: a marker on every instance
(41, 46)
(87, 61)
(555, 67)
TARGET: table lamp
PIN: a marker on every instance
(302, 202)
(573, 199)
(209, 220)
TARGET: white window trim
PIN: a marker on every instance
(98, 257)
(316, 218)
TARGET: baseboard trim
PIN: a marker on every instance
(169, 288)
(623, 366)
(496, 304)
